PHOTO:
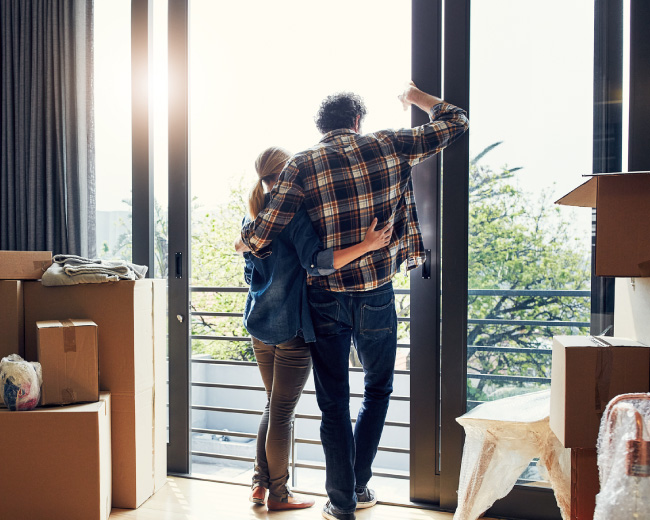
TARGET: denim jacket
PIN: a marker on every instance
(277, 308)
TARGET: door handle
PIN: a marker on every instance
(179, 265)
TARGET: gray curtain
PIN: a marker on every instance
(47, 169)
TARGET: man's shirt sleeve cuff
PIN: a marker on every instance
(323, 263)
(435, 110)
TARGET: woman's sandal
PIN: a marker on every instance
(258, 495)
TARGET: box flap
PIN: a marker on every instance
(583, 196)
(46, 324)
(597, 341)
(616, 174)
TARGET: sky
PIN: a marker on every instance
(259, 69)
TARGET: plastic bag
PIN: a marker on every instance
(20, 383)
(624, 459)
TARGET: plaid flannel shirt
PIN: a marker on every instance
(345, 181)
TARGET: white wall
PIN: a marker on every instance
(632, 309)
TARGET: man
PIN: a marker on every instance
(345, 181)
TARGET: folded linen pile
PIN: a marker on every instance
(72, 269)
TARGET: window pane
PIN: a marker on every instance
(258, 72)
(112, 89)
(530, 142)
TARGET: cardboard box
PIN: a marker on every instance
(132, 337)
(24, 265)
(57, 462)
(67, 352)
(622, 221)
(12, 319)
(585, 483)
(586, 376)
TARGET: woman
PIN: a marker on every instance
(277, 317)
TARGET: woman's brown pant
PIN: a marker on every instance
(284, 369)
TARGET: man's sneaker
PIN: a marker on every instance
(365, 497)
(328, 512)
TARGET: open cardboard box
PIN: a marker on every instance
(622, 202)
(56, 462)
(131, 326)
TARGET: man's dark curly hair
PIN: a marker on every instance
(338, 111)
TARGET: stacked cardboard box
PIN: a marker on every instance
(56, 464)
(14, 267)
(24, 265)
(67, 352)
(12, 320)
(587, 373)
(130, 318)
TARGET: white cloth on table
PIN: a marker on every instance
(502, 438)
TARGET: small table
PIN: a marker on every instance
(502, 437)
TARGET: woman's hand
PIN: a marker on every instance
(376, 239)
(241, 247)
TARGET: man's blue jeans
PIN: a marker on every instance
(368, 319)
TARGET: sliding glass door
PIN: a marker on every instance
(257, 74)
(506, 270)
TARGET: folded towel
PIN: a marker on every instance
(72, 269)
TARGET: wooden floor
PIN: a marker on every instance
(188, 499)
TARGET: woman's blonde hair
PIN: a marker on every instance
(270, 162)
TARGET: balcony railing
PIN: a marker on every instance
(472, 349)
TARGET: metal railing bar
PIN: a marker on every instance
(532, 292)
(262, 389)
(519, 379)
(221, 314)
(224, 362)
(224, 432)
(222, 338)
(219, 289)
(535, 323)
(248, 411)
(514, 350)
(227, 410)
(374, 473)
(354, 394)
(253, 364)
(471, 292)
(298, 416)
(228, 386)
(318, 417)
(241, 315)
(390, 449)
(220, 456)
(248, 338)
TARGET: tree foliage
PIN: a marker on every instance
(518, 243)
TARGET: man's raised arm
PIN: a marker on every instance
(446, 124)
